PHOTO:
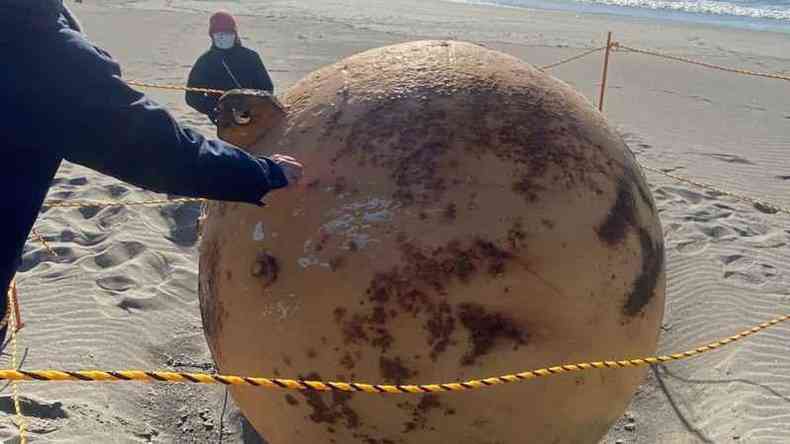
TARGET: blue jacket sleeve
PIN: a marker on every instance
(120, 132)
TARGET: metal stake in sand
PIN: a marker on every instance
(605, 69)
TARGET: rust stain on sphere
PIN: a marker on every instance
(464, 215)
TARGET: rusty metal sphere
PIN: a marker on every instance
(463, 215)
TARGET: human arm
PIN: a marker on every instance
(120, 132)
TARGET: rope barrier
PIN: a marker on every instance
(572, 58)
(174, 87)
(38, 237)
(614, 45)
(324, 386)
(220, 92)
(762, 203)
(108, 204)
(14, 328)
(654, 53)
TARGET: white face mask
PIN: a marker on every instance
(224, 40)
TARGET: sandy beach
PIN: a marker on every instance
(122, 291)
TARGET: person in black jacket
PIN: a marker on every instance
(226, 65)
(64, 98)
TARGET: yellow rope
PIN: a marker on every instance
(43, 241)
(174, 87)
(615, 45)
(107, 204)
(220, 92)
(747, 72)
(294, 384)
(571, 59)
(14, 328)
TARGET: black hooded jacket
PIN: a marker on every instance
(225, 69)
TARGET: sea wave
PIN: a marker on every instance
(702, 7)
(750, 9)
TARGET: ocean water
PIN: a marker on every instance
(767, 15)
(770, 15)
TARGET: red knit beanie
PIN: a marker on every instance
(221, 22)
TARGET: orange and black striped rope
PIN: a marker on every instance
(323, 386)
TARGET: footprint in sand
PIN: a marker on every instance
(182, 223)
(78, 181)
(82, 237)
(61, 195)
(660, 194)
(766, 209)
(126, 293)
(102, 419)
(688, 196)
(40, 255)
(774, 239)
(117, 191)
(749, 231)
(146, 304)
(694, 238)
(116, 283)
(709, 214)
(119, 253)
(729, 158)
(109, 217)
(672, 227)
(745, 271)
(88, 212)
(734, 259)
(130, 275)
(701, 99)
(717, 232)
(691, 246)
(75, 181)
(751, 107)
